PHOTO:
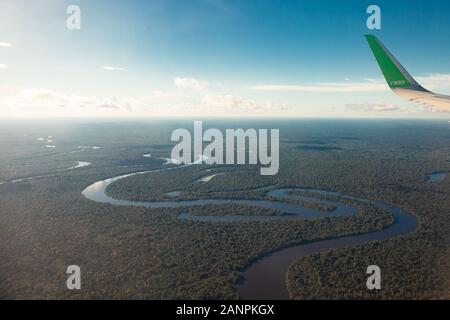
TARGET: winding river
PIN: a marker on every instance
(265, 278)
(80, 164)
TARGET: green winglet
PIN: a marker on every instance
(396, 76)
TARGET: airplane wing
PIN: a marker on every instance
(401, 82)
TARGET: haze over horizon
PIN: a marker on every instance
(215, 58)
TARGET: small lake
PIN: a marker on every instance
(208, 178)
(437, 176)
(173, 193)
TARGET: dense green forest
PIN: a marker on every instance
(129, 252)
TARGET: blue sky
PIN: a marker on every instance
(215, 57)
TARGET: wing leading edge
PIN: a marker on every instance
(401, 82)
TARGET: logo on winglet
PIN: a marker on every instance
(397, 83)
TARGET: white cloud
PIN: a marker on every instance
(326, 87)
(8, 89)
(41, 102)
(190, 83)
(111, 68)
(3, 66)
(433, 81)
(373, 107)
(41, 97)
(5, 44)
(230, 104)
(275, 106)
